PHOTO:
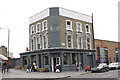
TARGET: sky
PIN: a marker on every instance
(14, 15)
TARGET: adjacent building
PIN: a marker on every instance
(107, 51)
(60, 36)
(3, 51)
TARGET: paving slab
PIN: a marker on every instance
(43, 75)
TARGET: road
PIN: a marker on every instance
(110, 74)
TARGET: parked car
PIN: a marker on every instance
(114, 66)
(102, 67)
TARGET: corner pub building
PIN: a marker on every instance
(58, 35)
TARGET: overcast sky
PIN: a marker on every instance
(14, 14)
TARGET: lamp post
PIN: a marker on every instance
(8, 40)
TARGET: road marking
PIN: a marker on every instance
(107, 75)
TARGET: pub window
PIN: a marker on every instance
(74, 58)
(65, 58)
(46, 60)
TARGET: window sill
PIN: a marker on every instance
(79, 31)
(88, 33)
(69, 30)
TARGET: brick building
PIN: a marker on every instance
(107, 51)
(58, 35)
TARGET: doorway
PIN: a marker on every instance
(55, 60)
(90, 58)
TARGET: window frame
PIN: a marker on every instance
(32, 29)
(45, 60)
(46, 39)
(78, 45)
(38, 42)
(32, 44)
(80, 27)
(75, 57)
(66, 55)
(69, 25)
(88, 29)
(87, 43)
(71, 41)
(43, 26)
(37, 31)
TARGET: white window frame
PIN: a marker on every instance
(89, 43)
(69, 25)
(32, 44)
(71, 41)
(43, 42)
(37, 27)
(32, 29)
(44, 26)
(86, 28)
(78, 46)
(38, 42)
(80, 27)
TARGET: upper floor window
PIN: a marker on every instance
(44, 42)
(87, 28)
(44, 25)
(32, 45)
(32, 30)
(38, 43)
(68, 25)
(78, 27)
(88, 43)
(69, 41)
(79, 42)
(38, 27)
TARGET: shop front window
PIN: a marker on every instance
(65, 59)
(46, 60)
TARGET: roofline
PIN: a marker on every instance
(107, 40)
(76, 12)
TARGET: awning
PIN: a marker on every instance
(3, 57)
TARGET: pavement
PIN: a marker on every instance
(42, 75)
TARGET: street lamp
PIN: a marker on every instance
(8, 40)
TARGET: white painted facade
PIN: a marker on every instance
(62, 12)
(74, 15)
(39, 16)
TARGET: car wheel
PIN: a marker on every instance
(101, 70)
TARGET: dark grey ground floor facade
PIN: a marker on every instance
(65, 57)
